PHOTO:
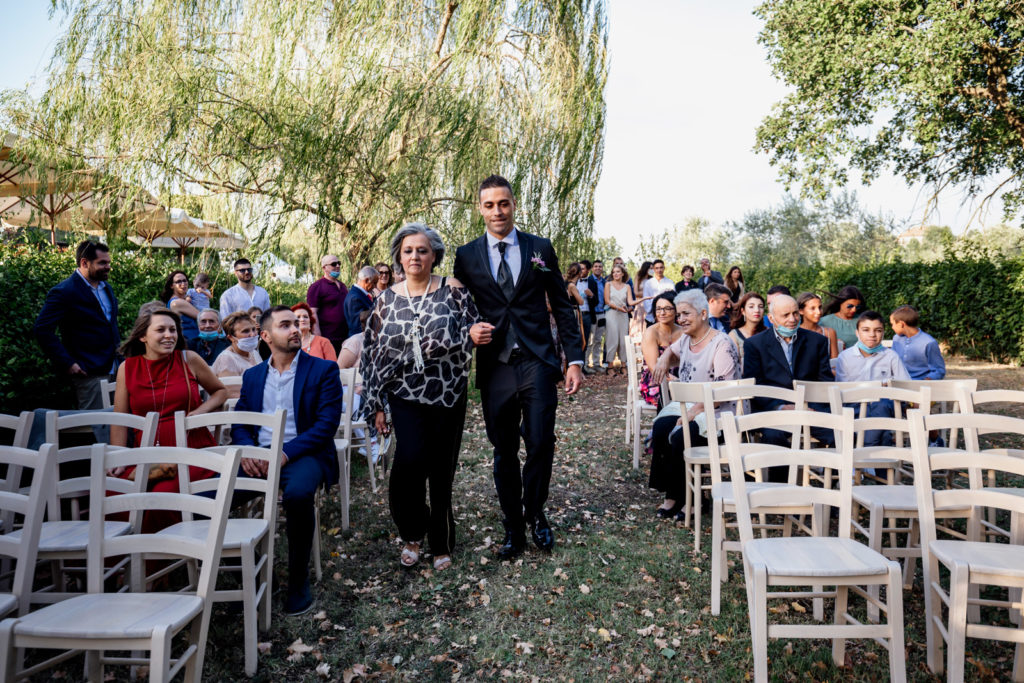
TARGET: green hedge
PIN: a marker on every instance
(974, 305)
(27, 378)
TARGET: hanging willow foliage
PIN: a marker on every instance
(355, 114)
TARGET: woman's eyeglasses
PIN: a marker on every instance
(662, 309)
(386, 273)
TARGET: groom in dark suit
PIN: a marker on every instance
(509, 272)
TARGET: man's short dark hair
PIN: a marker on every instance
(495, 181)
(596, 261)
(268, 315)
(779, 289)
(588, 264)
(87, 250)
(714, 289)
(241, 262)
(656, 262)
(868, 316)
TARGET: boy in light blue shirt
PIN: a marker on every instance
(199, 294)
(917, 349)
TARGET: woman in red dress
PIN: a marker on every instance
(160, 375)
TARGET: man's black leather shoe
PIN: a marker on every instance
(541, 532)
(512, 547)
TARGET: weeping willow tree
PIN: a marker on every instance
(354, 115)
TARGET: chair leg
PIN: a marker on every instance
(875, 520)
(717, 555)
(959, 582)
(316, 544)
(894, 602)
(819, 519)
(160, 656)
(369, 464)
(759, 624)
(249, 614)
(629, 422)
(932, 609)
(697, 501)
(910, 563)
(687, 494)
(8, 653)
(839, 644)
(637, 417)
(344, 491)
(93, 665)
(267, 580)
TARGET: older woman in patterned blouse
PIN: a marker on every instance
(703, 354)
(416, 355)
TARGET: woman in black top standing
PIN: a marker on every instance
(416, 356)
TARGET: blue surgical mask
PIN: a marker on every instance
(209, 336)
(868, 350)
(786, 332)
(249, 344)
(335, 273)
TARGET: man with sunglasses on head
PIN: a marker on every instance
(327, 298)
(245, 294)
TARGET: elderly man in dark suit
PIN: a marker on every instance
(509, 273)
(84, 309)
(359, 298)
(309, 390)
(781, 354)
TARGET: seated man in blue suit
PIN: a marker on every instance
(359, 299)
(779, 355)
(309, 389)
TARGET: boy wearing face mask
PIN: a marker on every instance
(870, 360)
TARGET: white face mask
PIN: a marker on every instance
(249, 344)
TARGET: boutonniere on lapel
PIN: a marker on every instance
(538, 263)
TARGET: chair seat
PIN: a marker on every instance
(698, 455)
(8, 603)
(71, 536)
(893, 497)
(239, 530)
(724, 490)
(995, 558)
(815, 556)
(110, 615)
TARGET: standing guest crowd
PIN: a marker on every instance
(412, 333)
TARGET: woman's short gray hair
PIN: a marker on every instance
(409, 229)
(694, 298)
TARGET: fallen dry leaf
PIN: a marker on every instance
(584, 588)
(323, 669)
(798, 607)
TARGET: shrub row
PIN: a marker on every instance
(974, 305)
(27, 378)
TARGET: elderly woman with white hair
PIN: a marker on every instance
(701, 354)
(415, 360)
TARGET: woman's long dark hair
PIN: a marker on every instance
(168, 292)
(737, 319)
(730, 282)
(134, 346)
(644, 272)
(847, 293)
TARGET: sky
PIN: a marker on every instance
(688, 85)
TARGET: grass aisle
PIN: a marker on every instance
(622, 597)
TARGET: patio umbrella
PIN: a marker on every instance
(175, 229)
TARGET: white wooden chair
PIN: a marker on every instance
(885, 504)
(342, 443)
(639, 407)
(722, 493)
(697, 476)
(20, 425)
(989, 402)
(31, 505)
(63, 537)
(948, 393)
(630, 405)
(98, 622)
(971, 562)
(249, 539)
(809, 561)
(230, 382)
(107, 389)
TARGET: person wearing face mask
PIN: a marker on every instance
(210, 341)
(243, 353)
(868, 360)
(779, 355)
(326, 298)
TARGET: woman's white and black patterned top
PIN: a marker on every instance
(388, 363)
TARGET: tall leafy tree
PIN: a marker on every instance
(933, 91)
(355, 115)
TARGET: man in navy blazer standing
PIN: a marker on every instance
(359, 299)
(779, 355)
(309, 390)
(84, 309)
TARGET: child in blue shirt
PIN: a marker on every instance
(917, 349)
(199, 294)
